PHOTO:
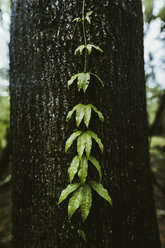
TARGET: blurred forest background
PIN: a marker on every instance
(154, 42)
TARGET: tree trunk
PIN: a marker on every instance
(42, 45)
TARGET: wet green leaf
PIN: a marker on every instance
(83, 81)
(69, 189)
(89, 13)
(97, 78)
(78, 19)
(89, 48)
(88, 19)
(86, 201)
(73, 168)
(70, 113)
(69, 141)
(79, 49)
(100, 190)
(83, 170)
(79, 114)
(97, 48)
(97, 166)
(81, 143)
(97, 139)
(88, 144)
(87, 115)
(73, 78)
(100, 115)
(74, 202)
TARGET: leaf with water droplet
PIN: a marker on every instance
(83, 170)
(73, 78)
(97, 139)
(73, 168)
(69, 141)
(83, 81)
(74, 202)
(68, 190)
(86, 201)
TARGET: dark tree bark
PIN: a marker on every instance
(43, 40)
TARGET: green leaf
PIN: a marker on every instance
(101, 190)
(83, 171)
(100, 115)
(73, 78)
(69, 141)
(96, 138)
(87, 115)
(82, 234)
(97, 48)
(79, 49)
(74, 202)
(83, 81)
(73, 168)
(97, 166)
(97, 78)
(86, 201)
(88, 144)
(69, 189)
(89, 48)
(78, 19)
(81, 142)
(88, 19)
(70, 113)
(89, 13)
(79, 114)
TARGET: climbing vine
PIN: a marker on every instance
(82, 190)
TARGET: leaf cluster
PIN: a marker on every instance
(82, 191)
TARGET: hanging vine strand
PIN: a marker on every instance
(82, 190)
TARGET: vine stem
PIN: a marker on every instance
(84, 32)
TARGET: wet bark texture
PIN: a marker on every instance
(43, 40)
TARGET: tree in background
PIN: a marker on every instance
(42, 43)
(4, 99)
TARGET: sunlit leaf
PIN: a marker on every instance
(69, 189)
(86, 201)
(69, 141)
(101, 190)
(74, 202)
(97, 165)
(73, 168)
(97, 139)
(83, 170)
